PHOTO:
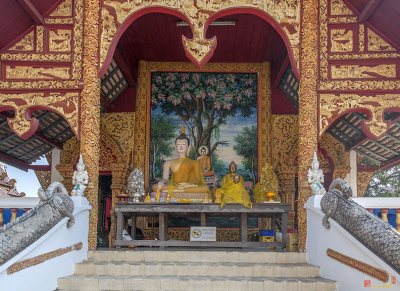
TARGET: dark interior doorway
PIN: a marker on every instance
(104, 206)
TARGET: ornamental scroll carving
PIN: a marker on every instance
(334, 105)
(376, 43)
(363, 72)
(341, 40)
(339, 8)
(199, 49)
(338, 154)
(65, 104)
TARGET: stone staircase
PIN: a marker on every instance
(157, 269)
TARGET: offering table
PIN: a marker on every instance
(277, 211)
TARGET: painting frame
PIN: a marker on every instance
(140, 154)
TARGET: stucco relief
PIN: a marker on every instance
(199, 49)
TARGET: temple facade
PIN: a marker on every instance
(83, 76)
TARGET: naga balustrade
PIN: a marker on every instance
(384, 204)
(17, 205)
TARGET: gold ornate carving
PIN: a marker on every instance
(58, 21)
(360, 85)
(285, 142)
(338, 154)
(120, 128)
(341, 40)
(335, 20)
(308, 133)
(36, 57)
(64, 9)
(37, 73)
(44, 178)
(19, 266)
(60, 40)
(339, 8)
(78, 37)
(66, 171)
(361, 37)
(140, 152)
(323, 40)
(363, 180)
(74, 85)
(65, 104)
(333, 105)
(39, 38)
(364, 56)
(70, 152)
(363, 72)
(90, 112)
(286, 13)
(377, 44)
(26, 44)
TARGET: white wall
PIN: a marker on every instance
(43, 277)
(319, 239)
(351, 178)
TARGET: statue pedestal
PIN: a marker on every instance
(181, 197)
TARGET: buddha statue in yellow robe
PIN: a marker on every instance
(187, 176)
(232, 189)
(205, 161)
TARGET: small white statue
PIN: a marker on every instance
(316, 177)
(135, 185)
(80, 179)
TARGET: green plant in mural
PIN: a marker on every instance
(163, 130)
(246, 147)
(204, 101)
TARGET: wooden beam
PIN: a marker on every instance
(32, 11)
(40, 167)
(14, 162)
(281, 72)
(121, 62)
(44, 139)
(367, 10)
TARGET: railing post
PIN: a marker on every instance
(370, 210)
(398, 219)
(13, 214)
(384, 213)
(1, 217)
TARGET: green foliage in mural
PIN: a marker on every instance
(246, 147)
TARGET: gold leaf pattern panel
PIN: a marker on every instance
(26, 44)
(285, 12)
(363, 72)
(363, 180)
(341, 40)
(15, 72)
(60, 40)
(376, 43)
(338, 154)
(339, 8)
(63, 10)
(334, 105)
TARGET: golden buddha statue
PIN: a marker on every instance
(268, 184)
(205, 161)
(187, 176)
(232, 189)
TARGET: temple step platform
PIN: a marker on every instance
(177, 269)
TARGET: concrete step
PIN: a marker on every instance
(86, 283)
(192, 256)
(166, 269)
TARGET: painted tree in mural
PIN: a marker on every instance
(246, 147)
(204, 100)
(163, 129)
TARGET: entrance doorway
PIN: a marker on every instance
(104, 206)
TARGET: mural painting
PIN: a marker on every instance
(219, 113)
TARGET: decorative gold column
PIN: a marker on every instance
(119, 174)
(265, 116)
(287, 192)
(90, 112)
(66, 171)
(307, 107)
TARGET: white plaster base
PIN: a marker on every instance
(319, 239)
(43, 277)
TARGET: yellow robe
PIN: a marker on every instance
(205, 164)
(187, 177)
(234, 193)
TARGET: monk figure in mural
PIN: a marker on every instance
(187, 175)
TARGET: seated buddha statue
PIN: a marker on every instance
(187, 176)
(232, 189)
(204, 160)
